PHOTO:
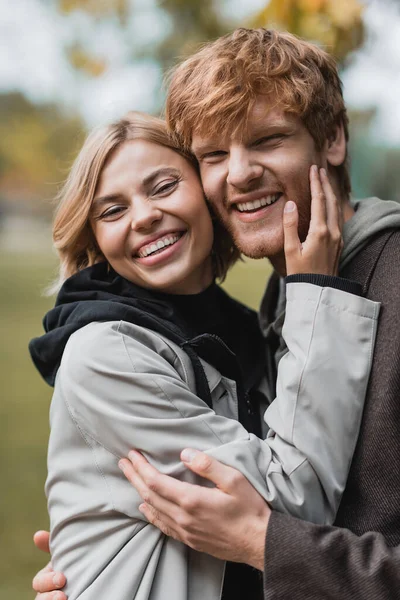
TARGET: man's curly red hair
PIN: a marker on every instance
(215, 89)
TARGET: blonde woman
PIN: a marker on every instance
(146, 351)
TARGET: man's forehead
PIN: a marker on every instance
(261, 117)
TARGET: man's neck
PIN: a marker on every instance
(347, 211)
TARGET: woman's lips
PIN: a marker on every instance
(162, 254)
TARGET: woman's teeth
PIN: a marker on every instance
(158, 245)
(266, 201)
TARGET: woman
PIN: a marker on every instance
(147, 352)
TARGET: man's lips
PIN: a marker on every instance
(252, 205)
(257, 209)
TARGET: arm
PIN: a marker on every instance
(131, 395)
(318, 561)
(320, 397)
(328, 562)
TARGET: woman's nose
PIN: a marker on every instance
(145, 215)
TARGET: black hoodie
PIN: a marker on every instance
(210, 325)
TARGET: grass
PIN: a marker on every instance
(24, 409)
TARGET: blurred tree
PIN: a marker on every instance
(191, 22)
(37, 145)
(336, 24)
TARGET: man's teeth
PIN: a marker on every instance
(266, 201)
(158, 245)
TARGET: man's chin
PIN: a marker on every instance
(256, 249)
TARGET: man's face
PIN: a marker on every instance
(249, 180)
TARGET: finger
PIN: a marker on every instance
(161, 521)
(47, 569)
(48, 581)
(51, 596)
(225, 478)
(41, 539)
(144, 477)
(292, 244)
(332, 204)
(318, 201)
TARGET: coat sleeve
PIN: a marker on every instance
(320, 561)
(124, 392)
(321, 389)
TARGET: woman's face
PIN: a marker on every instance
(150, 219)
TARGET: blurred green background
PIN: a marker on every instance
(70, 64)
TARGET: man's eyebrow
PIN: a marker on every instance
(261, 129)
(206, 146)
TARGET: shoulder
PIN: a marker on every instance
(386, 271)
(115, 347)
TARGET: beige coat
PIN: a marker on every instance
(121, 386)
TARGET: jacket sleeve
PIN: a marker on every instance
(327, 562)
(123, 392)
(321, 386)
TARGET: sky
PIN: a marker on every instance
(32, 60)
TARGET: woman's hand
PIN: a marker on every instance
(47, 582)
(320, 252)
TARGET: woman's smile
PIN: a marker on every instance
(160, 249)
(151, 221)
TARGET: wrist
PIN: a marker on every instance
(256, 548)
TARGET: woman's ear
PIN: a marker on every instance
(335, 147)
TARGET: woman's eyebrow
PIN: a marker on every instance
(159, 173)
(101, 200)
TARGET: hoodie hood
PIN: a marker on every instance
(201, 323)
(371, 217)
(95, 294)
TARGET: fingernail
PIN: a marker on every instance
(188, 455)
(323, 171)
(289, 206)
(133, 455)
(121, 465)
(142, 508)
(58, 580)
(58, 597)
(314, 169)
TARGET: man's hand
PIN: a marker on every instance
(228, 521)
(320, 252)
(47, 582)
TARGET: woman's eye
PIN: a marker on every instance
(114, 211)
(166, 187)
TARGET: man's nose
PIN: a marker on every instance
(243, 168)
(145, 214)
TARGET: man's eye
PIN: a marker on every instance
(270, 138)
(213, 155)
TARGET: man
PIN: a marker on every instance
(257, 108)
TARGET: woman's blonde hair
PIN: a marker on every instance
(72, 234)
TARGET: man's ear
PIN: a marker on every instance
(335, 147)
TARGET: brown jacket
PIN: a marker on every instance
(359, 558)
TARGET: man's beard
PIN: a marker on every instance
(261, 248)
